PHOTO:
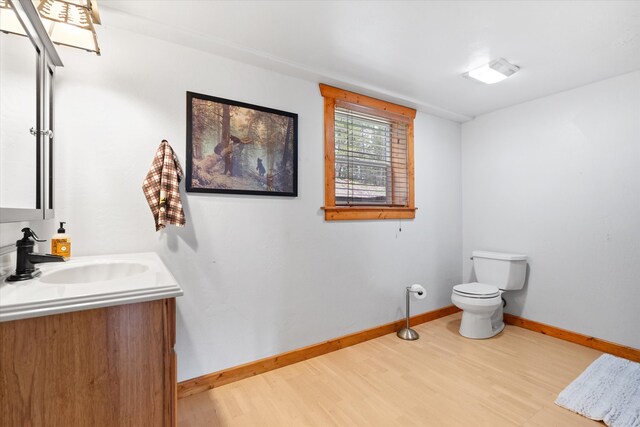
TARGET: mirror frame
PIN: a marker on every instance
(48, 196)
(48, 60)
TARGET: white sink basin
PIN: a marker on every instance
(98, 272)
(84, 283)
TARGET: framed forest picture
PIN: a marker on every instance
(239, 148)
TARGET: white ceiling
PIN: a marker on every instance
(408, 52)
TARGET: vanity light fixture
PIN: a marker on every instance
(9, 22)
(493, 72)
(68, 22)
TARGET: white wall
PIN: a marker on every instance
(559, 180)
(261, 275)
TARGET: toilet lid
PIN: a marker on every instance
(477, 290)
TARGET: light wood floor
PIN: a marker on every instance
(442, 379)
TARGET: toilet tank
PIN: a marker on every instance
(506, 271)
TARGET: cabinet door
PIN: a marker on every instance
(26, 114)
(103, 367)
(19, 113)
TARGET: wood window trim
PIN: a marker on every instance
(334, 96)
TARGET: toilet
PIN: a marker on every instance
(481, 302)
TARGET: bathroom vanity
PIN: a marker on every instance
(90, 342)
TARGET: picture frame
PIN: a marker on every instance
(239, 148)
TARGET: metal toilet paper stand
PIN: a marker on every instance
(407, 333)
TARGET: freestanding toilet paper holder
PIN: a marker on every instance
(407, 333)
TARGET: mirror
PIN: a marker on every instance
(27, 69)
(18, 114)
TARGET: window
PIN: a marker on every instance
(368, 157)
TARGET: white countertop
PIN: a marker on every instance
(33, 298)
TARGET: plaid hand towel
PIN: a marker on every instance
(161, 187)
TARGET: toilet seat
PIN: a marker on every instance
(476, 290)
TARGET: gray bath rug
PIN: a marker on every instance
(608, 390)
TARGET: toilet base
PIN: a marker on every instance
(481, 319)
(479, 330)
(481, 325)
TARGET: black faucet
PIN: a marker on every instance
(26, 259)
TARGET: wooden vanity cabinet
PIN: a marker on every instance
(112, 366)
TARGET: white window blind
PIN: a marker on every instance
(370, 159)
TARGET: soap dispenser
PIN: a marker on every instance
(61, 242)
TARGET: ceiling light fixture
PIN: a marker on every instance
(493, 72)
(68, 22)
